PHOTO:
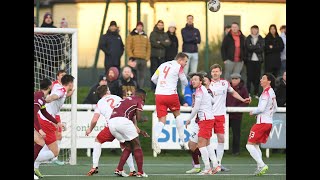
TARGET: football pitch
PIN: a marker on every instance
(168, 167)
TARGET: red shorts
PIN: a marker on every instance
(49, 129)
(205, 128)
(163, 102)
(259, 133)
(219, 122)
(105, 136)
(59, 120)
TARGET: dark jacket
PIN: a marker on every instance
(112, 46)
(281, 93)
(126, 88)
(172, 50)
(233, 102)
(159, 49)
(191, 37)
(258, 48)
(92, 97)
(228, 47)
(272, 55)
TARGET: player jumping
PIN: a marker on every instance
(260, 131)
(166, 78)
(104, 107)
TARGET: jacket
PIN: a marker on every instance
(281, 93)
(228, 47)
(233, 102)
(172, 50)
(138, 45)
(191, 38)
(159, 49)
(112, 46)
(126, 88)
(92, 97)
(272, 55)
(258, 48)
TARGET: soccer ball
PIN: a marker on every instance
(214, 5)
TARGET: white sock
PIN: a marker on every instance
(157, 129)
(180, 127)
(130, 162)
(96, 154)
(258, 149)
(205, 157)
(56, 158)
(196, 166)
(255, 154)
(36, 164)
(45, 155)
(212, 155)
(220, 151)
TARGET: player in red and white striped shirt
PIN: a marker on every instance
(260, 131)
(166, 78)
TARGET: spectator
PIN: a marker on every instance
(132, 63)
(191, 38)
(126, 86)
(281, 91)
(172, 50)
(138, 47)
(112, 46)
(283, 36)
(226, 30)
(254, 58)
(233, 51)
(92, 97)
(159, 42)
(47, 21)
(235, 118)
(64, 23)
(188, 91)
(112, 78)
(273, 47)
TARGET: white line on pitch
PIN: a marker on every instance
(71, 175)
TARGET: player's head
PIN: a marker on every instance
(182, 58)
(141, 93)
(126, 72)
(216, 71)
(45, 84)
(197, 79)
(190, 19)
(235, 27)
(267, 80)
(60, 74)
(103, 90)
(206, 80)
(67, 81)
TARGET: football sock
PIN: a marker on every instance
(130, 162)
(180, 127)
(195, 157)
(36, 149)
(220, 151)
(138, 155)
(157, 130)
(255, 154)
(96, 154)
(205, 157)
(212, 155)
(125, 154)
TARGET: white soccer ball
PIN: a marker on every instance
(214, 5)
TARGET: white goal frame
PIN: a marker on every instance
(74, 73)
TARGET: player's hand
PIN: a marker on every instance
(187, 123)
(247, 100)
(138, 130)
(60, 125)
(144, 134)
(42, 133)
(70, 92)
(88, 131)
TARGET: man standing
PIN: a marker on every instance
(191, 38)
(138, 47)
(166, 78)
(112, 46)
(260, 131)
(233, 51)
(219, 89)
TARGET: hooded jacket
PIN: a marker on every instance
(159, 49)
(191, 38)
(228, 47)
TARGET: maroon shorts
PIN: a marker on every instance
(259, 133)
(163, 102)
(205, 128)
(219, 122)
(105, 136)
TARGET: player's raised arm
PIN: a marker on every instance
(51, 98)
(236, 95)
(93, 123)
(155, 77)
(183, 77)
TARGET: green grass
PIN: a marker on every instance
(167, 167)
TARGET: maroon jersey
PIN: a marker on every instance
(127, 107)
(39, 104)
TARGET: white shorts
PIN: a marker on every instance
(194, 130)
(122, 129)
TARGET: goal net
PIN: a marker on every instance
(56, 49)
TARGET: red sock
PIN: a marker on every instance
(195, 156)
(138, 155)
(36, 150)
(125, 154)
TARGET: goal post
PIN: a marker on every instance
(55, 49)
